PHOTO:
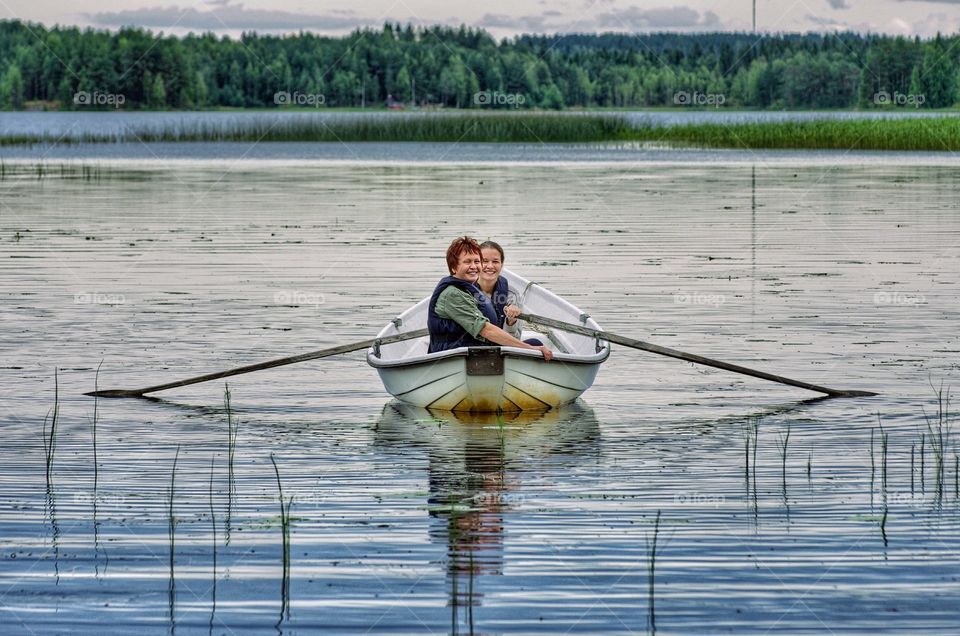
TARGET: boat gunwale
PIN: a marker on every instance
(507, 352)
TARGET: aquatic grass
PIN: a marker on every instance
(885, 440)
(913, 449)
(651, 574)
(903, 134)
(783, 442)
(233, 426)
(213, 534)
(50, 436)
(914, 134)
(923, 464)
(96, 387)
(171, 538)
(49, 449)
(96, 469)
(939, 431)
(285, 532)
(751, 432)
(873, 469)
(489, 127)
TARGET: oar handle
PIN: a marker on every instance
(689, 357)
(303, 357)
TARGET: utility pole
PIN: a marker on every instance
(754, 16)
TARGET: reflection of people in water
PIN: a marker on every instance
(474, 469)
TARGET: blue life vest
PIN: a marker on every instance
(445, 333)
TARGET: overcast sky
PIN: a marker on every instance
(499, 17)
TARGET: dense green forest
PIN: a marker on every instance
(70, 68)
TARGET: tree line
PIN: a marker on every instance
(72, 68)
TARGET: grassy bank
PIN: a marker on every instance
(929, 134)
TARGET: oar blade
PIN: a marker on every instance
(853, 394)
(115, 393)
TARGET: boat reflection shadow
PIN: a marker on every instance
(477, 463)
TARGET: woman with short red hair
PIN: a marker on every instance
(460, 314)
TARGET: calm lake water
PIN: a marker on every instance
(777, 513)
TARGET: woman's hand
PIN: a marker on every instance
(547, 354)
(512, 312)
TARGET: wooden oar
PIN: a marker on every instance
(689, 357)
(303, 357)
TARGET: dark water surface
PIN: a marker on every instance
(842, 273)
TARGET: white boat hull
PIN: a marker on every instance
(525, 383)
(492, 379)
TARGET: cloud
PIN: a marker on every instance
(223, 15)
(637, 19)
(838, 4)
(837, 26)
(523, 22)
(932, 24)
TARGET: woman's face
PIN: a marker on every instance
(491, 265)
(468, 266)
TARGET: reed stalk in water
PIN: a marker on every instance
(233, 426)
(213, 534)
(651, 572)
(50, 437)
(782, 444)
(171, 537)
(939, 431)
(285, 530)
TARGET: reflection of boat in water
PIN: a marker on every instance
(492, 378)
(477, 463)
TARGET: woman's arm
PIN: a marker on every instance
(497, 335)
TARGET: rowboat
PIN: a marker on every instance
(495, 378)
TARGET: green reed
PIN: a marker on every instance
(233, 426)
(495, 127)
(783, 442)
(911, 134)
(751, 433)
(917, 134)
(651, 571)
(884, 444)
(213, 524)
(171, 536)
(50, 436)
(285, 533)
(938, 429)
